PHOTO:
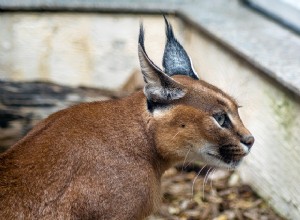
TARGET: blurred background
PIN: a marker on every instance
(54, 54)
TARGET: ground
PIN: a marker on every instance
(222, 197)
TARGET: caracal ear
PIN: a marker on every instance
(175, 60)
(159, 88)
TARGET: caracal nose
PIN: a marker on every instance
(248, 140)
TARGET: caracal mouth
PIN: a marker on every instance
(217, 160)
(210, 155)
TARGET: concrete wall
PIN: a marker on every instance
(101, 51)
(270, 113)
(97, 50)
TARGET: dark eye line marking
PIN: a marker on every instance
(219, 101)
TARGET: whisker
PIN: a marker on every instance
(204, 182)
(211, 176)
(175, 135)
(185, 159)
(196, 179)
(192, 161)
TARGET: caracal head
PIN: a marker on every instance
(191, 119)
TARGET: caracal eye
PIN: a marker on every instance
(220, 118)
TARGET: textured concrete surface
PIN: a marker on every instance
(287, 12)
(86, 49)
(266, 45)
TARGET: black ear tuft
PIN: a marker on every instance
(142, 45)
(169, 30)
(159, 88)
(175, 60)
(142, 36)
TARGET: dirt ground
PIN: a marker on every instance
(219, 195)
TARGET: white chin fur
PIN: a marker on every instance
(212, 161)
(245, 148)
(203, 155)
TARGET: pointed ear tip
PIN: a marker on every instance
(141, 38)
(165, 18)
(169, 29)
(142, 30)
(141, 25)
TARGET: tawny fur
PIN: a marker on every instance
(91, 161)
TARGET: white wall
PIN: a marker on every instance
(97, 50)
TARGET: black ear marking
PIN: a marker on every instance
(142, 44)
(159, 88)
(151, 106)
(175, 60)
(142, 36)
